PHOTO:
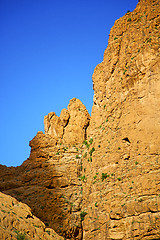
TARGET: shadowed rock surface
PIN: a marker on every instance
(18, 222)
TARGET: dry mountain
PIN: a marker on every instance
(98, 178)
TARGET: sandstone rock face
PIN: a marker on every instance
(70, 127)
(98, 178)
(123, 200)
(49, 182)
(18, 222)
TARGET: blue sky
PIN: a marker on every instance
(48, 52)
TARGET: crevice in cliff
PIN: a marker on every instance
(50, 187)
(65, 186)
(126, 139)
(66, 123)
(85, 134)
(64, 127)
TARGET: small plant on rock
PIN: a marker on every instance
(86, 143)
(85, 155)
(92, 150)
(83, 178)
(21, 236)
(104, 176)
(148, 40)
(82, 215)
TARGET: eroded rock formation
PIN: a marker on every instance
(70, 127)
(49, 182)
(98, 178)
(18, 222)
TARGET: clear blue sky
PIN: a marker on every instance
(48, 52)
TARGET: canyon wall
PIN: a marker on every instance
(121, 197)
(98, 177)
(18, 222)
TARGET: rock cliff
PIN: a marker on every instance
(70, 127)
(98, 177)
(18, 222)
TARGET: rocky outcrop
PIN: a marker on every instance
(70, 127)
(98, 177)
(49, 182)
(18, 222)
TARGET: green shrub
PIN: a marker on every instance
(86, 143)
(92, 150)
(85, 155)
(104, 176)
(124, 71)
(90, 159)
(129, 20)
(149, 40)
(83, 178)
(21, 236)
(48, 232)
(82, 215)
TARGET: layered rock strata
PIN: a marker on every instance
(98, 177)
